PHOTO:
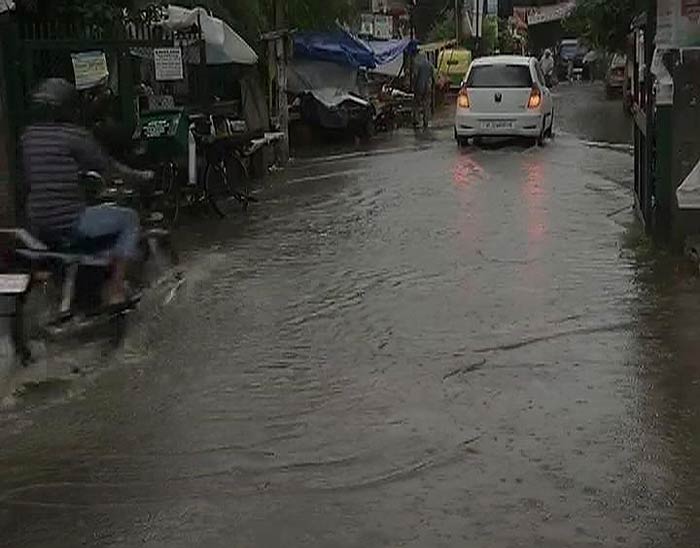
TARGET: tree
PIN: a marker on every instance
(443, 29)
(91, 11)
(604, 24)
(489, 35)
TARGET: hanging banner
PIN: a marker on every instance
(537, 15)
(688, 24)
(89, 69)
(367, 24)
(168, 64)
(665, 23)
(678, 24)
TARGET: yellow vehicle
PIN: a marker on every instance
(453, 65)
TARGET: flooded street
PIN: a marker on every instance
(405, 345)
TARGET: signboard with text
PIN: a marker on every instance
(547, 14)
(168, 64)
(89, 69)
(688, 31)
(678, 24)
(383, 27)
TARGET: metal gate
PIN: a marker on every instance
(38, 49)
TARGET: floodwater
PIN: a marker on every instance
(403, 345)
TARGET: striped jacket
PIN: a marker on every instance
(53, 155)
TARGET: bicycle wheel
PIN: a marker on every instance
(226, 186)
(169, 194)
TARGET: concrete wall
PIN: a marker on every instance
(6, 150)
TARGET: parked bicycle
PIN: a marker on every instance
(216, 175)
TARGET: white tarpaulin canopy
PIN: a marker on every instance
(6, 5)
(223, 44)
(688, 193)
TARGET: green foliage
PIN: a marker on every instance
(489, 35)
(443, 29)
(507, 42)
(91, 11)
(603, 24)
(250, 17)
(319, 14)
(253, 17)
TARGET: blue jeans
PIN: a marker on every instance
(103, 221)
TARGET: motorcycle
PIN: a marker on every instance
(66, 280)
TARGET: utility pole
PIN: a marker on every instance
(457, 20)
(279, 48)
(477, 27)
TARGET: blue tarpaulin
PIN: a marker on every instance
(385, 51)
(337, 47)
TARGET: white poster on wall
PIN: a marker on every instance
(688, 24)
(665, 23)
(168, 64)
(677, 24)
(89, 69)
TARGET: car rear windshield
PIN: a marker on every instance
(568, 51)
(500, 76)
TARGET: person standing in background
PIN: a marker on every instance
(422, 83)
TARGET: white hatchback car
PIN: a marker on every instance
(504, 96)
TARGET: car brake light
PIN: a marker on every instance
(535, 98)
(463, 99)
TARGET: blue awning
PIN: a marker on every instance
(385, 51)
(337, 47)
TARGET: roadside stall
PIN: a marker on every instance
(326, 77)
(341, 83)
(202, 110)
(390, 86)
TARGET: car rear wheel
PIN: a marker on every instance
(539, 140)
(461, 141)
(550, 132)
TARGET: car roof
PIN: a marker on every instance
(503, 60)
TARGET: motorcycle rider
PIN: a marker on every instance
(547, 66)
(55, 151)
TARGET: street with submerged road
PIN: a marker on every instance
(405, 344)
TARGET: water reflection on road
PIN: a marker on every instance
(408, 346)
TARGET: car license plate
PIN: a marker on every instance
(497, 124)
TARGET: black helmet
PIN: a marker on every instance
(55, 99)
